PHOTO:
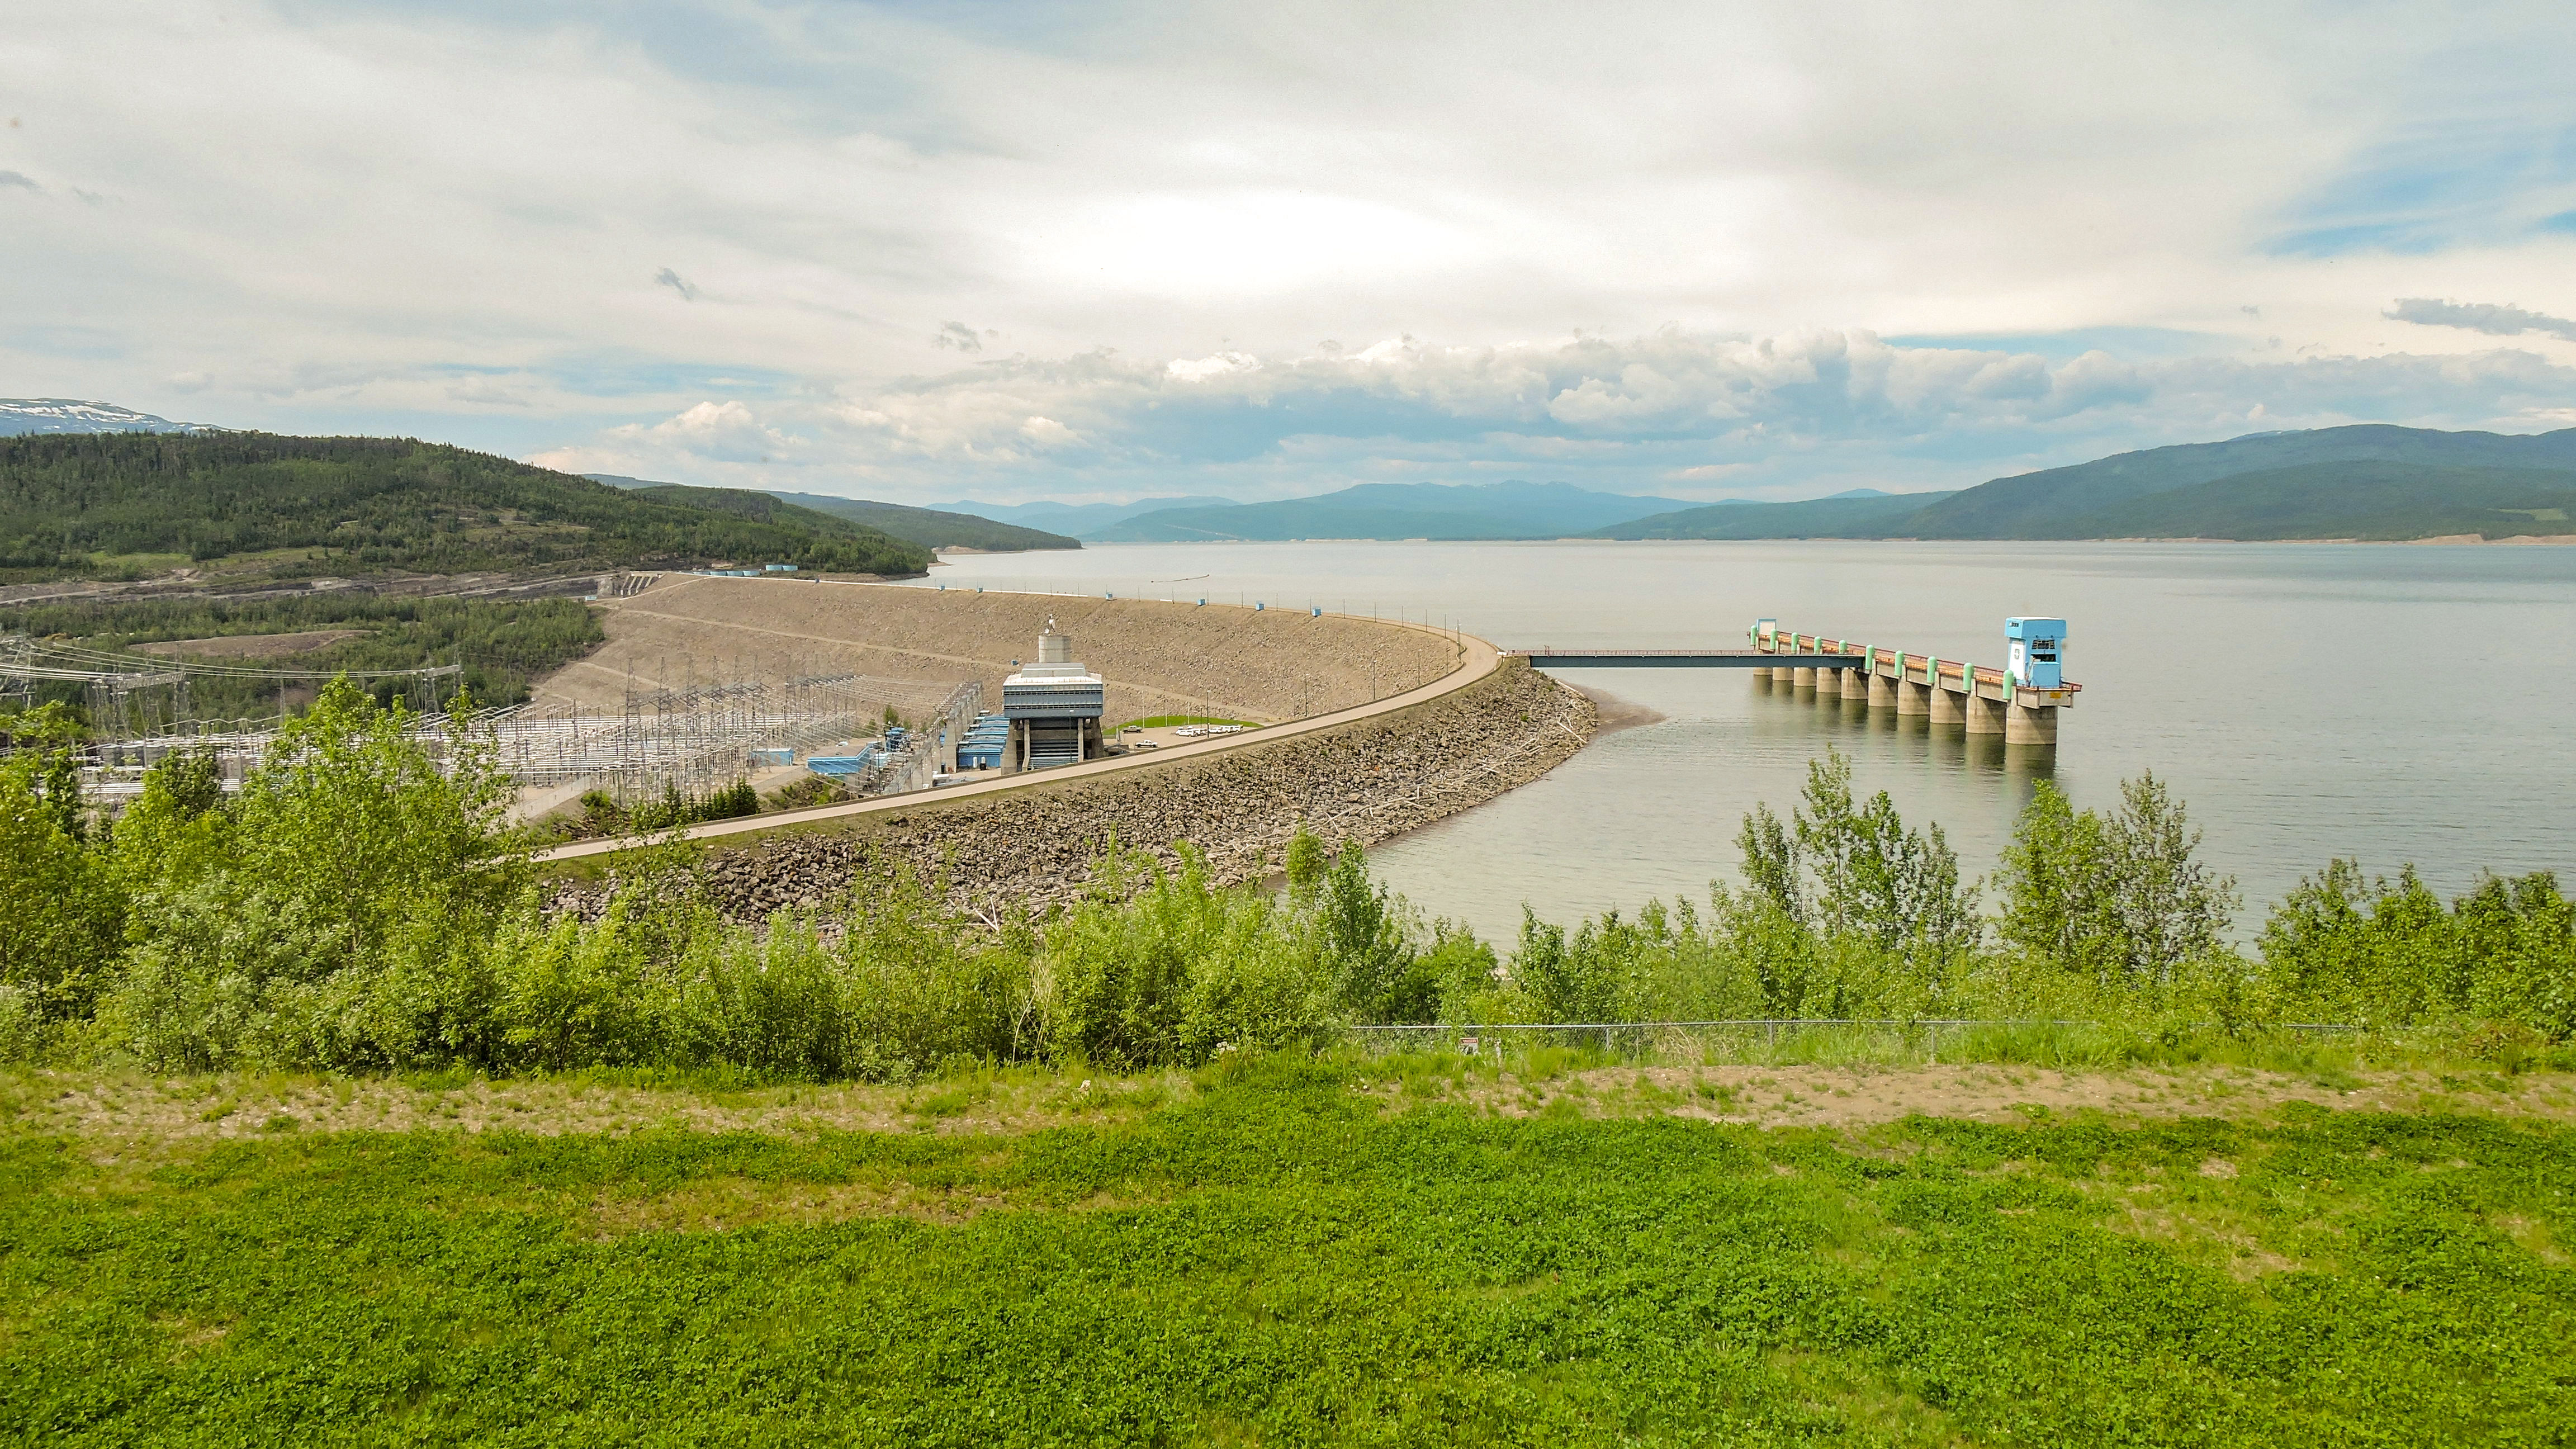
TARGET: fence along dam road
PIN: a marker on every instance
(2019, 702)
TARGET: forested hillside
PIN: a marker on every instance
(2364, 482)
(2351, 500)
(505, 645)
(2085, 500)
(72, 505)
(932, 527)
(927, 527)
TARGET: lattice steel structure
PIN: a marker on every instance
(695, 738)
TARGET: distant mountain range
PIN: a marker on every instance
(1082, 520)
(928, 527)
(2368, 481)
(22, 415)
(1508, 510)
(1396, 510)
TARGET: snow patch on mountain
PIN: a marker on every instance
(65, 415)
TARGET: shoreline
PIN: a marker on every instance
(1617, 714)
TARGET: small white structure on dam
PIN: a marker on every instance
(1054, 708)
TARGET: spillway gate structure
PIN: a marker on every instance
(2019, 702)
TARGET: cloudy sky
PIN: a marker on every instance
(1010, 251)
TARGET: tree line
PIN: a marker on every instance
(357, 905)
(505, 645)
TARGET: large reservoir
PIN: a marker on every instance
(2391, 703)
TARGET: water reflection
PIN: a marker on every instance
(1789, 711)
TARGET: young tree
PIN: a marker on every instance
(1849, 869)
(2059, 884)
(61, 915)
(1306, 862)
(2125, 900)
(2173, 908)
(178, 829)
(1378, 975)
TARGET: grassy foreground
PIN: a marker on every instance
(1290, 1252)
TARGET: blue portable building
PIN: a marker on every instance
(2034, 652)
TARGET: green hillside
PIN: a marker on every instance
(746, 503)
(2350, 500)
(933, 528)
(928, 527)
(2056, 502)
(1813, 518)
(298, 507)
(2369, 482)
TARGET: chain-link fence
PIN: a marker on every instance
(1642, 1039)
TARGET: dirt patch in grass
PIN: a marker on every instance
(1811, 1096)
(134, 1112)
(138, 1110)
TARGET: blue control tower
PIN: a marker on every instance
(2033, 649)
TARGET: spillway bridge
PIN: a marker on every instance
(2019, 701)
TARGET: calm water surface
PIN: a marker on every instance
(2388, 703)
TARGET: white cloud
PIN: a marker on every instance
(462, 221)
(2486, 317)
(1761, 415)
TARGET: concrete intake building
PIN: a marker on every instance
(1054, 709)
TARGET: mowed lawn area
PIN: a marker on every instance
(1277, 1255)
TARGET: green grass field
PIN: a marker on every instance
(1292, 1253)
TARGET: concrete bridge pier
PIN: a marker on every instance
(1947, 708)
(1985, 716)
(1912, 698)
(2030, 724)
(1882, 692)
(1802, 677)
(1855, 685)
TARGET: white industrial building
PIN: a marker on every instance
(1054, 708)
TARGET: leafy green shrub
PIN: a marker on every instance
(308, 922)
(927, 987)
(2389, 953)
(61, 913)
(1178, 967)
